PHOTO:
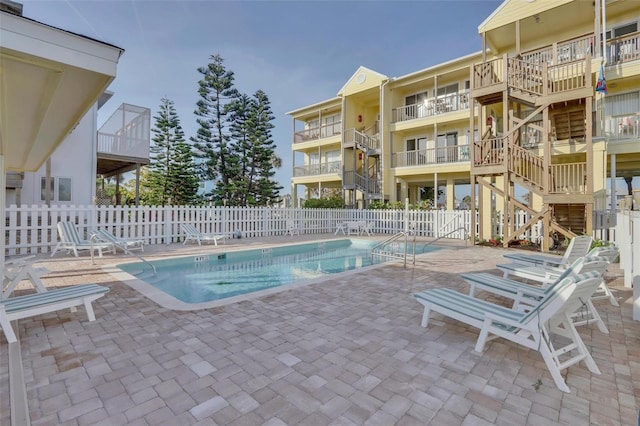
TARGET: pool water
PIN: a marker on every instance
(216, 276)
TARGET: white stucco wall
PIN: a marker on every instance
(75, 158)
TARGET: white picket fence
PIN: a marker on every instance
(32, 229)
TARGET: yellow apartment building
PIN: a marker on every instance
(519, 126)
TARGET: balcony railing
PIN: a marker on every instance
(126, 133)
(361, 140)
(432, 106)
(316, 133)
(623, 127)
(563, 52)
(536, 79)
(623, 49)
(568, 178)
(123, 146)
(332, 167)
(423, 157)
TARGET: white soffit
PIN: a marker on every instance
(49, 78)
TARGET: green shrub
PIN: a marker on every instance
(334, 202)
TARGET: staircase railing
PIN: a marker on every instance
(526, 165)
(488, 152)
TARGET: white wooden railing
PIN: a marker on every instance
(125, 146)
(432, 106)
(421, 157)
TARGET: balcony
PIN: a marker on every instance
(623, 49)
(623, 127)
(315, 133)
(425, 157)
(123, 140)
(563, 52)
(332, 167)
(432, 107)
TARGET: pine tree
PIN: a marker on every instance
(172, 177)
(183, 179)
(212, 140)
(240, 135)
(263, 188)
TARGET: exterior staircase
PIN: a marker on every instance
(365, 142)
(557, 93)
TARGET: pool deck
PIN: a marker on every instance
(346, 351)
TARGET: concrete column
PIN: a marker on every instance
(487, 212)
(451, 195)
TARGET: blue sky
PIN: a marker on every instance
(298, 52)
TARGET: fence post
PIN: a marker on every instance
(167, 225)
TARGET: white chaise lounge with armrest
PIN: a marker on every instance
(531, 329)
(71, 241)
(31, 305)
(548, 275)
(192, 234)
(525, 295)
(578, 247)
(17, 270)
(125, 244)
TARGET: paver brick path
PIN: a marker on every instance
(347, 351)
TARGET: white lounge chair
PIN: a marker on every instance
(578, 247)
(71, 241)
(548, 275)
(17, 270)
(531, 329)
(192, 234)
(126, 244)
(526, 295)
(53, 300)
(292, 228)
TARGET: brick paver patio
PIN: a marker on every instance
(347, 351)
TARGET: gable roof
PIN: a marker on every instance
(361, 80)
(513, 10)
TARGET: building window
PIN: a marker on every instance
(64, 189)
(60, 189)
(43, 188)
(448, 90)
(416, 144)
(417, 98)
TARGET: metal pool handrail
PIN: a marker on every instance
(93, 238)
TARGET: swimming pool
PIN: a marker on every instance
(217, 276)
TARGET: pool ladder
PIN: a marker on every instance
(153, 268)
(381, 250)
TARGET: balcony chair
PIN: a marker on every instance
(532, 329)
